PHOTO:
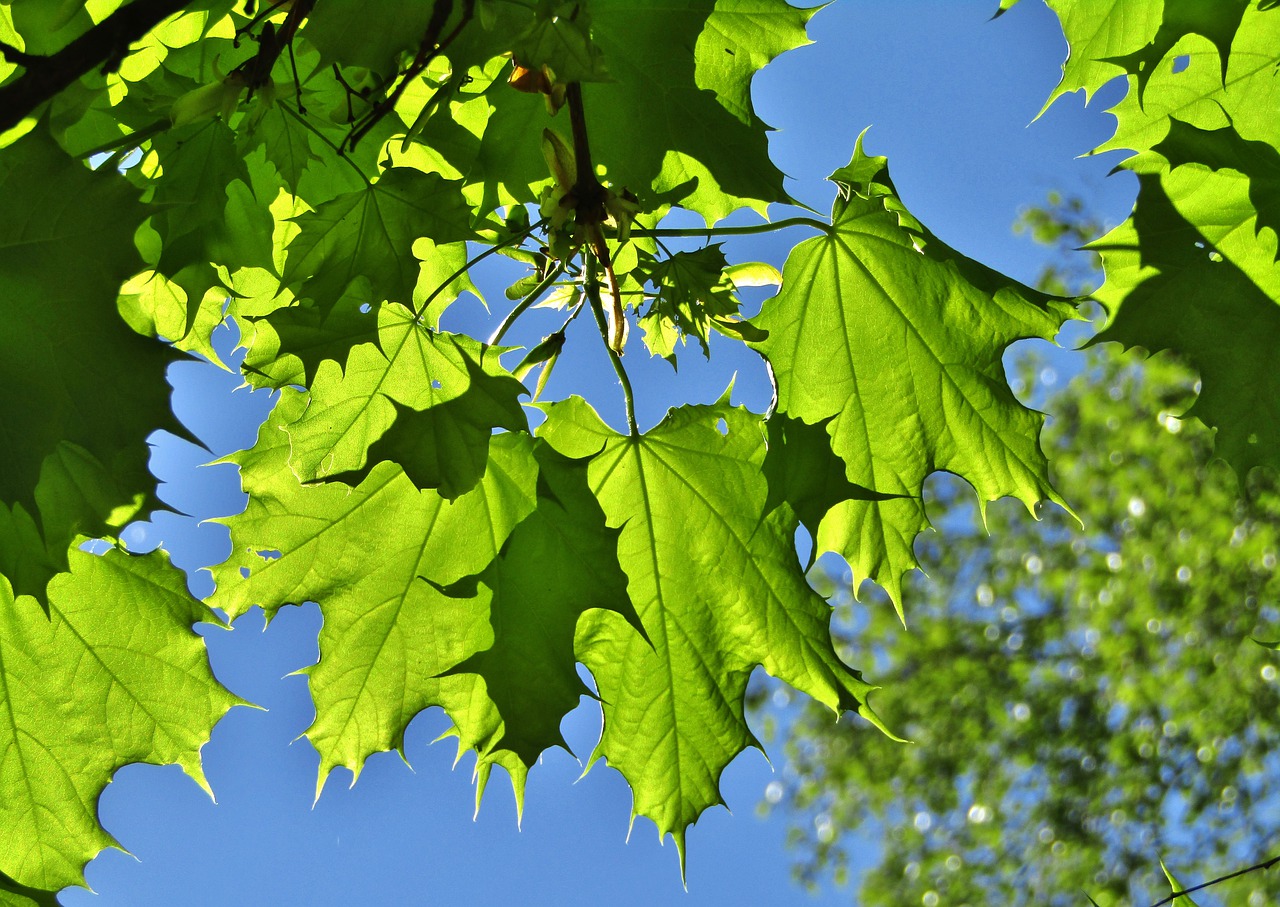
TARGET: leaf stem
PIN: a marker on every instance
(733, 231)
(523, 305)
(592, 287)
(129, 141)
(512, 240)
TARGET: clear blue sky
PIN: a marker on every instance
(950, 97)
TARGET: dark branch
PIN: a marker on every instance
(105, 45)
(432, 44)
(1266, 864)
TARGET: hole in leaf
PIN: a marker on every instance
(1181, 62)
(268, 554)
(365, 308)
(722, 427)
(436, 385)
(244, 572)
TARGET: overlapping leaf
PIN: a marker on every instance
(470, 604)
(65, 248)
(718, 589)
(407, 380)
(113, 674)
(1194, 269)
(898, 340)
(369, 234)
(678, 72)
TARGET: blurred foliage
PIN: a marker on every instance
(1081, 703)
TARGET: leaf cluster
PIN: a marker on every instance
(323, 172)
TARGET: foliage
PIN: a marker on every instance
(167, 165)
(1100, 699)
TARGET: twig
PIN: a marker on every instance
(430, 47)
(734, 231)
(1266, 864)
(105, 45)
(471, 263)
(523, 305)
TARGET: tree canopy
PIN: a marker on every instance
(326, 173)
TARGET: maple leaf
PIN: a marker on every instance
(385, 30)
(1108, 38)
(718, 590)
(205, 211)
(692, 289)
(118, 635)
(64, 251)
(385, 550)
(1194, 269)
(370, 233)
(704, 146)
(1207, 292)
(406, 380)
(898, 340)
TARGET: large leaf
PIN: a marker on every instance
(407, 381)
(718, 589)
(685, 72)
(1109, 38)
(1194, 269)
(112, 674)
(72, 369)
(369, 234)
(1190, 272)
(375, 557)
(898, 340)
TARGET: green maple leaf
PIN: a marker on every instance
(370, 233)
(560, 39)
(117, 636)
(411, 369)
(692, 289)
(718, 590)
(446, 445)
(290, 342)
(898, 340)
(680, 74)
(376, 558)
(1190, 272)
(1108, 38)
(1194, 268)
(205, 210)
(1098, 32)
(560, 562)
(371, 35)
(64, 251)
(1216, 21)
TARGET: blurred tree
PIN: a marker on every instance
(1082, 703)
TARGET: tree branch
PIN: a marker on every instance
(1265, 864)
(105, 45)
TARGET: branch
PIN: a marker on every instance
(104, 45)
(1265, 864)
(430, 47)
(748, 230)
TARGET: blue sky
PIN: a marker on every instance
(950, 97)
